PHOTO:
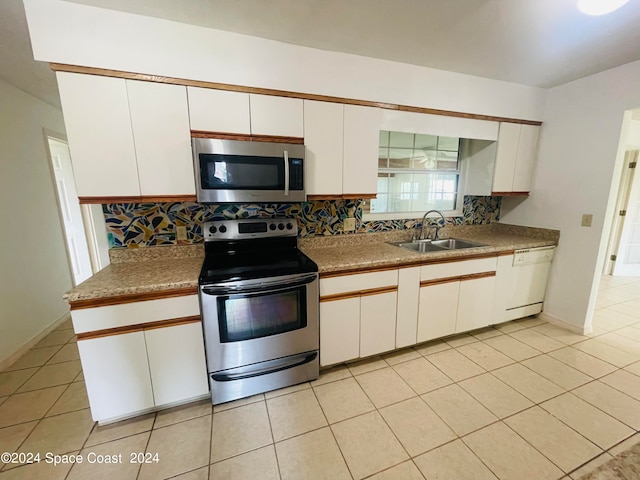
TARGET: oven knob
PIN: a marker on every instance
(272, 226)
(212, 229)
(281, 226)
(222, 229)
(289, 226)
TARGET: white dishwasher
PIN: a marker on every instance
(529, 274)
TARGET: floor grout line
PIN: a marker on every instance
(393, 369)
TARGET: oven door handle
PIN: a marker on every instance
(284, 365)
(258, 288)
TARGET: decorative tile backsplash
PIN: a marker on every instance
(149, 224)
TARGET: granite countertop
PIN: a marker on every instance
(143, 270)
(155, 269)
(351, 254)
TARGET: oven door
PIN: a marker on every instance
(253, 321)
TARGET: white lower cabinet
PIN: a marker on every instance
(475, 304)
(456, 297)
(357, 315)
(132, 372)
(116, 372)
(438, 310)
(339, 330)
(142, 355)
(407, 311)
(377, 323)
(177, 363)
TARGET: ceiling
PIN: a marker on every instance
(542, 43)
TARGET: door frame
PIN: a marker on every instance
(622, 202)
(90, 226)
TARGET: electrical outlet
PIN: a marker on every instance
(181, 232)
(587, 218)
(349, 224)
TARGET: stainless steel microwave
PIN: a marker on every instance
(233, 171)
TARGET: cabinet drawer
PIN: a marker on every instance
(358, 282)
(112, 316)
(455, 269)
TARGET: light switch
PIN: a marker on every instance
(181, 232)
(587, 218)
(349, 224)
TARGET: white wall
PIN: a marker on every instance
(579, 157)
(33, 259)
(75, 34)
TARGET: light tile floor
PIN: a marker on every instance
(522, 400)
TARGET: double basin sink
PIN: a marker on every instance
(424, 246)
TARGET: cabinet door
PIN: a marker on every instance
(377, 323)
(339, 330)
(527, 151)
(475, 304)
(219, 111)
(116, 373)
(360, 158)
(407, 311)
(160, 121)
(278, 116)
(177, 363)
(323, 130)
(96, 116)
(503, 284)
(437, 310)
(507, 153)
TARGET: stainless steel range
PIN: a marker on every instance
(259, 301)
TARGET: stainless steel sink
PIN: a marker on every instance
(424, 246)
(420, 246)
(455, 244)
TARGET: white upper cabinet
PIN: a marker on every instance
(526, 157)
(323, 139)
(219, 111)
(160, 121)
(360, 158)
(96, 116)
(278, 116)
(515, 157)
(506, 156)
(505, 166)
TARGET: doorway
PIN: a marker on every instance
(621, 254)
(70, 212)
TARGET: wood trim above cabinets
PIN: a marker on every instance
(246, 138)
(132, 298)
(59, 67)
(138, 199)
(509, 194)
(359, 293)
(109, 332)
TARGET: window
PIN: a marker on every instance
(416, 173)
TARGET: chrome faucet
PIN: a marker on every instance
(437, 227)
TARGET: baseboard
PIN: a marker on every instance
(564, 324)
(13, 358)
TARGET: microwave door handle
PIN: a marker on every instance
(286, 173)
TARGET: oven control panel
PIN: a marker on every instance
(250, 228)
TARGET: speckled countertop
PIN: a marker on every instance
(350, 253)
(143, 270)
(154, 269)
